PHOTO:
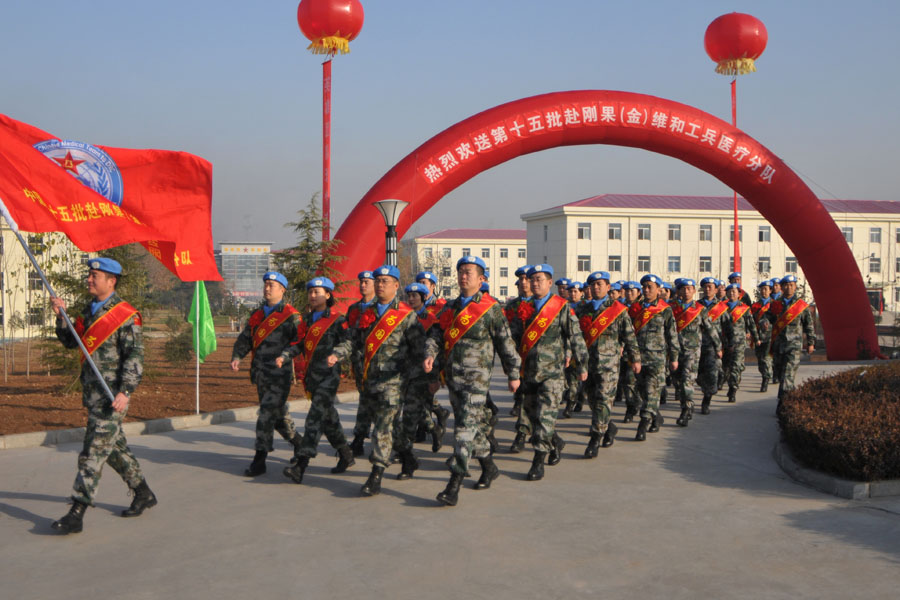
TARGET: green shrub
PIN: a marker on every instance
(847, 424)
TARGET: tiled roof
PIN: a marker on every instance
(721, 203)
(477, 234)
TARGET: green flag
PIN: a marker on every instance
(201, 318)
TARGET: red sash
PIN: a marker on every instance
(430, 316)
(311, 340)
(640, 316)
(269, 324)
(686, 316)
(105, 326)
(464, 321)
(386, 325)
(739, 311)
(760, 310)
(787, 317)
(540, 322)
(602, 322)
(717, 310)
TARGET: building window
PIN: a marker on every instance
(897, 235)
(763, 264)
(614, 263)
(615, 231)
(643, 264)
(445, 271)
(546, 232)
(504, 291)
(896, 295)
(36, 244)
(584, 263)
(874, 265)
(731, 265)
(790, 264)
(740, 233)
(445, 292)
(35, 316)
(522, 253)
(674, 233)
(504, 252)
(765, 233)
(545, 259)
(466, 252)
(706, 233)
(706, 264)
(428, 253)
(643, 231)
(445, 252)
(485, 253)
(896, 268)
(34, 280)
(848, 234)
(504, 272)
(674, 264)
(875, 235)
(584, 231)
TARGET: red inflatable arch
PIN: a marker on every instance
(494, 136)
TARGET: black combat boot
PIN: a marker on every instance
(570, 404)
(345, 460)
(629, 415)
(704, 407)
(409, 465)
(536, 472)
(296, 470)
(684, 417)
(720, 381)
(732, 393)
(437, 437)
(143, 499)
(442, 414)
(656, 422)
(609, 437)
(643, 426)
(518, 443)
(372, 486)
(295, 442)
(489, 472)
(492, 441)
(593, 446)
(358, 445)
(557, 444)
(765, 385)
(258, 466)
(663, 395)
(72, 522)
(450, 495)
(579, 404)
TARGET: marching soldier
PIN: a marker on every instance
(365, 411)
(270, 331)
(654, 327)
(742, 325)
(110, 329)
(318, 332)
(524, 289)
(389, 338)
(470, 329)
(428, 279)
(791, 321)
(764, 329)
(710, 358)
(627, 387)
(574, 387)
(433, 305)
(743, 296)
(562, 287)
(607, 330)
(694, 327)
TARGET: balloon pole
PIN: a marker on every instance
(737, 236)
(326, 150)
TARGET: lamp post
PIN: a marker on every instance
(390, 210)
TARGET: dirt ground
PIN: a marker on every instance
(39, 403)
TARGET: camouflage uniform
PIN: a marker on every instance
(692, 338)
(417, 405)
(604, 362)
(764, 330)
(120, 360)
(627, 384)
(786, 348)
(710, 362)
(658, 342)
(273, 384)
(737, 348)
(510, 311)
(467, 372)
(397, 360)
(543, 372)
(365, 411)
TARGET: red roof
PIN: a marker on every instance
(477, 234)
(721, 203)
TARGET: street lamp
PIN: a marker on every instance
(390, 210)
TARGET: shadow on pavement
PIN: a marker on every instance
(41, 524)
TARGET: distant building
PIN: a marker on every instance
(692, 236)
(503, 251)
(242, 265)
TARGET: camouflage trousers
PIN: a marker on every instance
(365, 415)
(735, 365)
(322, 418)
(273, 412)
(386, 405)
(764, 361)
(541, 408)
(708, 371)
(683, 378)
(786, 362)
(417, 403)
(601, 391)
(628, 381)
(649, 381)
(471, 425)
(573, 383)
(104, 442)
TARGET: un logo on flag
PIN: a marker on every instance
(88, 164)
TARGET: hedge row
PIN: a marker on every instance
(847, 424)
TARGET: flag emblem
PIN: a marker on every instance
(88, 164)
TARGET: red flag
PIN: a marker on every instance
(102, 197)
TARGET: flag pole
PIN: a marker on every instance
(62, 312)
(197, 339)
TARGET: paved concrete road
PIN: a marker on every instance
(696, 512)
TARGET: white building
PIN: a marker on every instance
(503, 251)
(692, 236)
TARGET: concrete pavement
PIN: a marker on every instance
(696, 512)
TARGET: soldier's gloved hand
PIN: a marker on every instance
(513, 385)
(428, 364)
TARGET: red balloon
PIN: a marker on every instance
(330, 19)
(734, 41)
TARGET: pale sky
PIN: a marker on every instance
(233, 82)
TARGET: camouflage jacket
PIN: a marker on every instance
(692, 336)
(722, 325)
(398, 359)
(603, 354)
(352, 318)
(658, 338)
(419, 376)
(318, 373)
(561, 340)
(470, 362)
(512, 305)
(791, 337)
(740, 328)
(763, 324)
(274, 345)
(120, 359)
